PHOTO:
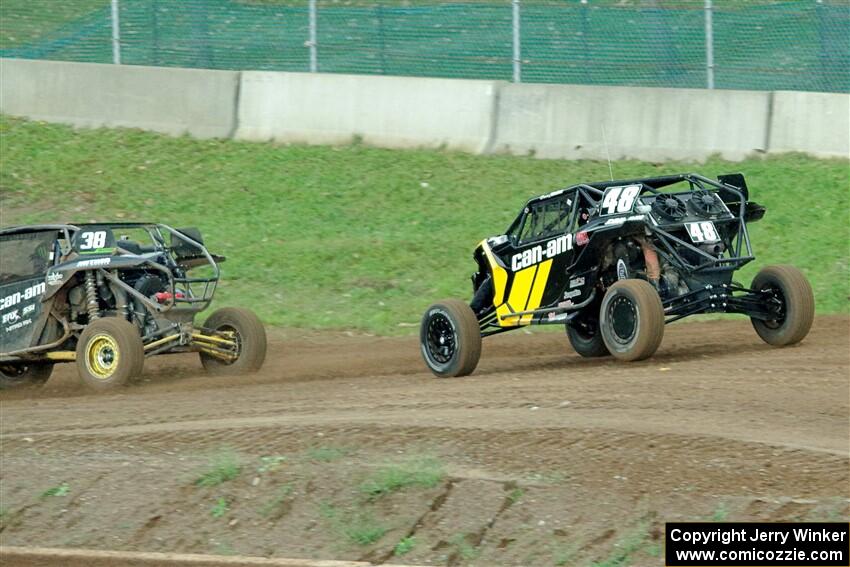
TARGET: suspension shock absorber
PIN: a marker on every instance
(92, 305)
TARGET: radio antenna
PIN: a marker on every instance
(607, 153)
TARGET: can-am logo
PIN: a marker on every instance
(18, 296)
(536, 254)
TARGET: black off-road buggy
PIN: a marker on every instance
(614, 262)
(108, 295)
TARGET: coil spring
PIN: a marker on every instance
(91, 298)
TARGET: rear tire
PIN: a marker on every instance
(24, 375)
(586, 338)
(109, 353)
(250, 336)
(793, 290)
(631, 320)
(450, 339)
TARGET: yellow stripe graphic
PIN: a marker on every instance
(518, 299)
(538, 289)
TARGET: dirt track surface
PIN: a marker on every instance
(541, 457)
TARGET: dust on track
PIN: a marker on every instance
(716, 423)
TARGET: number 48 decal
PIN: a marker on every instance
(702, 231)
(619, 199)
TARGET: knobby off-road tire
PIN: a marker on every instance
(586, 338)
(109, 353)
(450, 339)
(793, 289)
(250, 337)
(631, 320)
(24, 375)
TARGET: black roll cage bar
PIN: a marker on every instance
(197, 299)
(593, 192)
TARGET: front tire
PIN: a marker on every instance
(109, 353)
(250, 336)
(631, 320)
(795, 305)
(24, 375)
(450, 339)
(586, 338)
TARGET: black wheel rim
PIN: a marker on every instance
(442, 342)
(624, 319)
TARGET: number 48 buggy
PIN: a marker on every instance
(76, 293)
(614, 262)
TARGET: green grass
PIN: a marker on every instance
(721, 513)
(362, 238)
(326, 454)
(358, 526)
(278, 502)
(404, 546)
(422, 473)
(366, 531)
(463, 548)
(59, 490)
(220, 508)
(516, 495)
(638, 541)
(221, 468)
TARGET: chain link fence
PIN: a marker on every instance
(730, 44)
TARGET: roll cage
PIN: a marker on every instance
(589, 196)
(593, 228)
(183, 251)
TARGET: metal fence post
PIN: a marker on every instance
(314, 56)
(116, 34)
(709, 44)
(516, 42)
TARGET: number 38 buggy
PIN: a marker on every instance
(78, 293)
(613, 262)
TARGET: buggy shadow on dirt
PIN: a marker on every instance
(614, 262)
(77, 293)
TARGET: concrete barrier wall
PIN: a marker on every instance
(397, 112)
(815, 123)
(550, 121)
(574, 122)
(169, 100)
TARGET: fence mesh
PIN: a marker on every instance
(757, 44)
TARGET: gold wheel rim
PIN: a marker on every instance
(102, 356)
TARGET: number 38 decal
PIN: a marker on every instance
(702, 231)
(93, 240)
(619, 199)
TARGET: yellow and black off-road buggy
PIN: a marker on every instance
(613, 262)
